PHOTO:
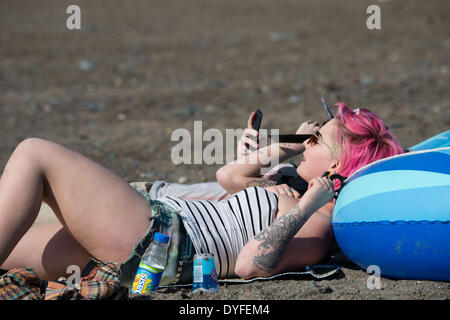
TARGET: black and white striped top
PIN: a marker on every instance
(224, 227)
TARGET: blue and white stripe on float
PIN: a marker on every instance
(419, 179)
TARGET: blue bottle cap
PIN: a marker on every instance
(161, 237)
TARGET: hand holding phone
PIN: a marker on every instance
(256, 125)
(249, 141)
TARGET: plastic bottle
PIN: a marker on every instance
(152, 265)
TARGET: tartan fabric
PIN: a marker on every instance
(20, 284)
(99, 280)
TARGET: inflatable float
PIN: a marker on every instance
(395, 214)
(438, 141)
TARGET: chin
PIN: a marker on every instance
(300, 173)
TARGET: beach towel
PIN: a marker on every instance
(99, 281)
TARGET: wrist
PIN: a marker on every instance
(306, 206)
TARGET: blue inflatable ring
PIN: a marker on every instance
(395, 214)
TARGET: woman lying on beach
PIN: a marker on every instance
(255, 232)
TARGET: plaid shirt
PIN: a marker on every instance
(100, 281)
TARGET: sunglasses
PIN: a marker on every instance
(314, 139)
(327, 109)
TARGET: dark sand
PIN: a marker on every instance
(137, 70)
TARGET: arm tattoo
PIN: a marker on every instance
(274, 239)
(260, 183)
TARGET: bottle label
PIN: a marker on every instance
(147, 279)
(198, 273)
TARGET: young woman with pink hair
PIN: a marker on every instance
(302, 233)
(261, 230)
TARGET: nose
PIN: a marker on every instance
(306, 144)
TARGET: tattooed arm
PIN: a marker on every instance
(263, 255)
(273, 240)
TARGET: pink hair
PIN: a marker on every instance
(362, 138)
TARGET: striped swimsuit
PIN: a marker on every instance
(224, 227)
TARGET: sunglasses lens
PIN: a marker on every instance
(312, 140)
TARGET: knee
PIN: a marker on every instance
(30, 144)
(30, 147)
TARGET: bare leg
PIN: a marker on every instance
(49, 249)
(103, 213)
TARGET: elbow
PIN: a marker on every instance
(243, 271)
(246, 270)
(221, 176)
(226, 180)
(243, 267)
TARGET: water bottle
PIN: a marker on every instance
(152, 265)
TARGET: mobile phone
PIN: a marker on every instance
(257, 120)
(256, 125)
